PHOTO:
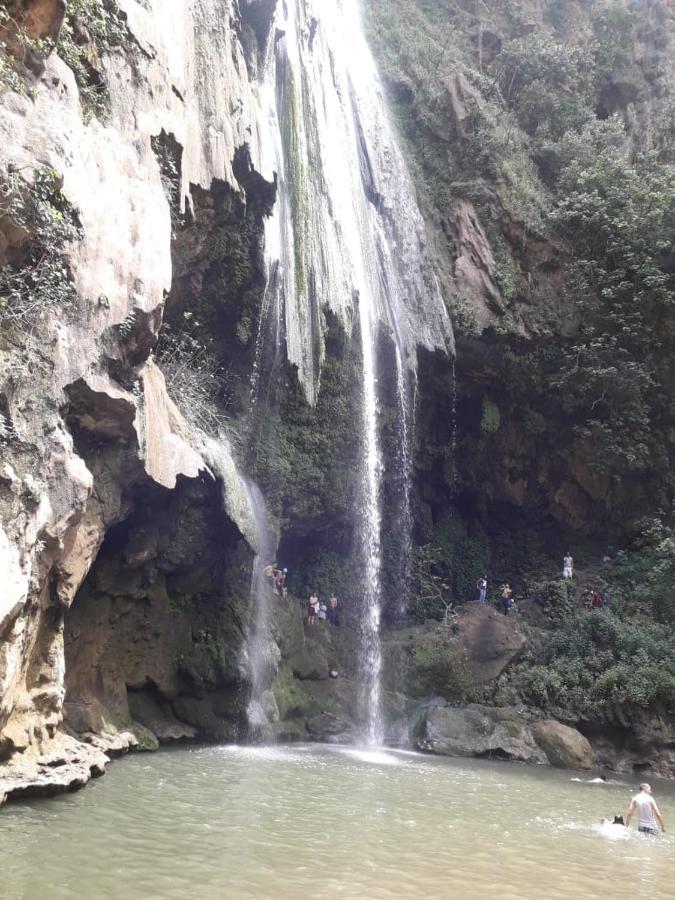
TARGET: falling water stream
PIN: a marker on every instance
(260, 645)
(346, 235)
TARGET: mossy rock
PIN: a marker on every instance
(565, 747)
(480, 731)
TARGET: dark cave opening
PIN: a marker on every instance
(155, 633)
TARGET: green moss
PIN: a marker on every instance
(296, 176)
(306, 456)
(490, 419)
(436, 669)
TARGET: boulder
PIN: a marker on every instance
(480, 731)
(328, 725)
(565, 747)
(456, 665)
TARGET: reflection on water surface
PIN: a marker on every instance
(327, 822)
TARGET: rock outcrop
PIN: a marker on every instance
(90, 425)
(452, 662)
(500, 733)
(482, 731)
(565, 747)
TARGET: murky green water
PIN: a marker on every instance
(319, 822)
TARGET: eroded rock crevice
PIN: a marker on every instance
(155, 634)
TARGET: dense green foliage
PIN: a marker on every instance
(620, 654)
(597, 660)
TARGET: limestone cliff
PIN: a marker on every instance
(89, 433)
(516, 118)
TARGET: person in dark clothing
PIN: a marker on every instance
(331, 612)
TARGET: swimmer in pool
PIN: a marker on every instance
(647, 810)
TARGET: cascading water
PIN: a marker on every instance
(260, 645)
(346, 236)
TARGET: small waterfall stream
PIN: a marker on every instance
(346, 235)
(260, 645)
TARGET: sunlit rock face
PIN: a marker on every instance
(90, 419)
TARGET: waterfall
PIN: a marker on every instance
(346, 235)
(262, 658)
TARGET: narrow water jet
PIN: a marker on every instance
(406, 419)
(370, 534)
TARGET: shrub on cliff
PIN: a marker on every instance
(39, 221)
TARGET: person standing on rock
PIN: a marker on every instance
(506, 599)
(312, 609)
(332, 610)
(481, 586)
(647, 810)
(568, 566)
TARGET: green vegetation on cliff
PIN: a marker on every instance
(80, 35)
(555, 122)
(542, 142)
(37, 222)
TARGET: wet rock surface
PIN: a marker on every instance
(67, 764)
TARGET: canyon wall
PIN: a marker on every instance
(135, 193)
(91, 440)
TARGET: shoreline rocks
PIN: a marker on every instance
(495, 732)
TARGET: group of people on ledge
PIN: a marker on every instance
(318, 610)
(591, 597)
(276, 578)
(505, 601)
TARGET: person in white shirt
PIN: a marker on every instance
(568, 565)
(647, 811)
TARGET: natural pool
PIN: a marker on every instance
(328, 822)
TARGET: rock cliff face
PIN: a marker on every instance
(488, 99)
(105, 596)
(134, 192)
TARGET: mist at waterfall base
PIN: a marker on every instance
(345, 237)
(247, 823)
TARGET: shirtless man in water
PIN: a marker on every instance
(647, 810)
